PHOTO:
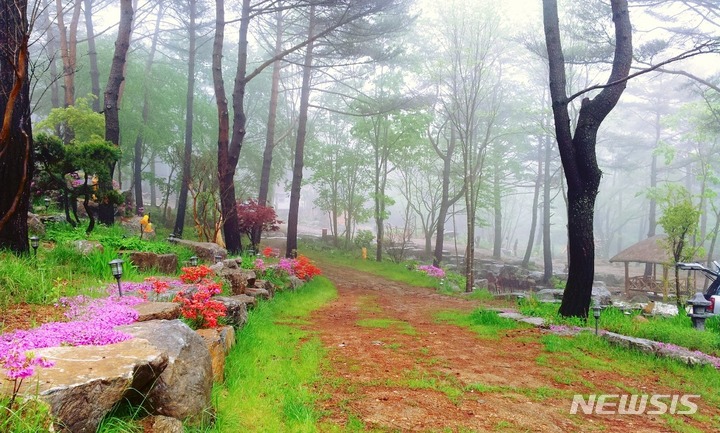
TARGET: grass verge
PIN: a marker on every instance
(272, 368)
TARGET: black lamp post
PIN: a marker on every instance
(596, 314)
(47, 203)
(218, 258)
(193, 261)
(171, 238)
(116, 266)
(35, 243)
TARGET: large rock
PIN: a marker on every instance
(146, 261)
(204, 250)
(183, 389)
(87, 381)
(85, 247)
(600, 294)
(219, 341)
(258, 293)
(161, 424)
(237, 308)
(35, 225)
(157, 311)
(549, 295)
(239, 279)
(167, 263)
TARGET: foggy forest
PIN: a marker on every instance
(535, 130)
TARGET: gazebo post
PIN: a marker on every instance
(627, 278)
(665, 282)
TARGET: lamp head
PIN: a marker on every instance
(193, 261)
(218, 258)
(596, 311)
(34, 241)
(116, 266)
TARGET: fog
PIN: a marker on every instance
(396, 97)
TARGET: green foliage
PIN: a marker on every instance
(25, 416)
(485, 323)
(680, 220)
(676, 330)
(363, 238)
(271, 370)
(79, 120)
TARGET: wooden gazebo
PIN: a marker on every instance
(652, 251)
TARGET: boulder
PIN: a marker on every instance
(86, 247)
(239, 279)
(600, 294)
(161, 424)
(258, 293)
(230, 263)
(87, 381)
(157, 311)
(183, 389)
(144, 261)
(549, 295)
(218, 341)
(295, 282)
(204, 250)
(237, 308)
(167, 263)
(35, 225)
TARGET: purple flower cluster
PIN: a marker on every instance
(671, 348)
(92, 322)
(286, 265)
(432, 271)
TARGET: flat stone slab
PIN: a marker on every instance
(535, 321)
(87, 381)
(157, 311)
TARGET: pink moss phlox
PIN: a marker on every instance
(672, 348)
(432, 271)
(92, 322)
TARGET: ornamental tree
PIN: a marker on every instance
(253, 219)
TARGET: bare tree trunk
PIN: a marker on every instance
(547, 212)
(68, 49)
(106, 211)
(264, 189)
(536, 202)
(140, 139)
(92, 56)
(292, 231)
(497, 213)
(578, 152)
(187, 155)
(16, 157)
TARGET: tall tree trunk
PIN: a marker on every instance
(16, 157)
(153, 186)
(106, 210)
(189, 101)
(293, 213)
(445, 201)
(535, 206)
(497, 212)
(264, 189)
(578, 152)
(92, 57)
(140, 139)
(547, 212)
(51, 50)
(68, 49)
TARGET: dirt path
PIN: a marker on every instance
(393, 367)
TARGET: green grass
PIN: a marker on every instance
(485, 323)
(676, 330)
(59, 269)
(399, 325)
(25, 416)
(271, 370)
(386, 269)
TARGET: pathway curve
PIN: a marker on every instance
(394, 367)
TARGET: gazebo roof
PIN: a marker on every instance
(650, 250)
